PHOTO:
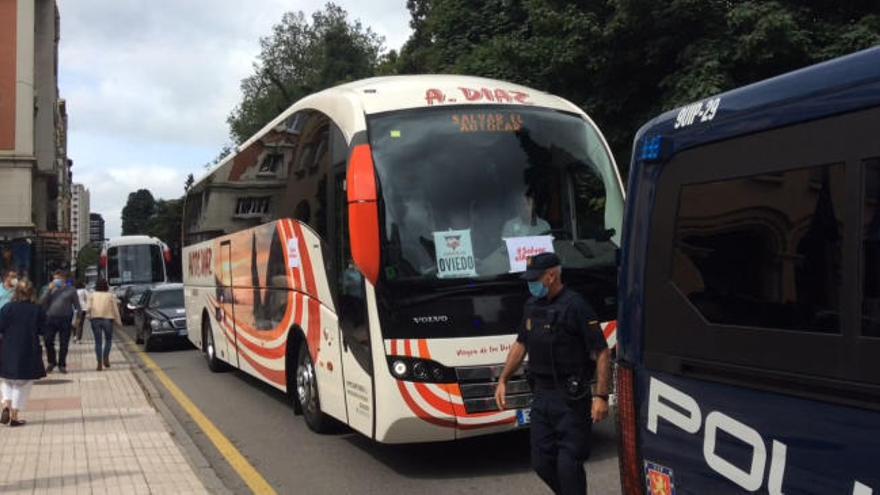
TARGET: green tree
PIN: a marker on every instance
(625, 61)
(301, 57)
(165, 224)
(88, 256)
(137, 212)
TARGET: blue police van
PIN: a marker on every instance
(749, 316)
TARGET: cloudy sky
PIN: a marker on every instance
(149, 84)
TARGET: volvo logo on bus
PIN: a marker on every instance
(421, 320)
(687, 416)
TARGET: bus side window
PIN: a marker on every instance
(305, 197)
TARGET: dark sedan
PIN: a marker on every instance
(159, 315)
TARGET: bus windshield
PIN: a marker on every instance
(135, 264)
(471, 192)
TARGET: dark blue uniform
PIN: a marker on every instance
(561, 344)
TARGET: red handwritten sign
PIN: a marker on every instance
(524, 253)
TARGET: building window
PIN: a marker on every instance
(252, 207)
(271, 163)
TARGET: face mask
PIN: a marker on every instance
(59, 284)
(538, 289)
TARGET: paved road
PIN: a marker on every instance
(261, 424)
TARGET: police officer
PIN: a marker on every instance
(561, 335)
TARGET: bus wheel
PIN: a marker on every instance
(210, 350)
(307, 392)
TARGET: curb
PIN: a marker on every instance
(191, 451)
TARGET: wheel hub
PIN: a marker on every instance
(305, 386)
(210, 346)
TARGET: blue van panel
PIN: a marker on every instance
(828, 447)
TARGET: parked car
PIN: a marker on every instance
(127, 295)
(159, 315)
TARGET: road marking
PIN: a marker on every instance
(245, 469)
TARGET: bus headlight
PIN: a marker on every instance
(399, 368)
(420, 370)
(415, 369)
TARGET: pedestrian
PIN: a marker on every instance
(83, 294)
(566, 347)
(103, 313)
(61, 303)
(22, 321)
(7, 290)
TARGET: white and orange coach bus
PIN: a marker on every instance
(362, 251)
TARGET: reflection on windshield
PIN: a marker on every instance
(167, 299)
(471, 194)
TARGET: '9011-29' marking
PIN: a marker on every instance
(703, 110)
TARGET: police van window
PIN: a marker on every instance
(763, 250)
(870, 265)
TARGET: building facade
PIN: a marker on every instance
(35, 172)
(80, 223)
(96, 228)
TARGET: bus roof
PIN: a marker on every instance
(837, 86)
(390, 93)
(384, 94)
(130, 240)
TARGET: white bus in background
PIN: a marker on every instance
(362, 251)
(134, 260)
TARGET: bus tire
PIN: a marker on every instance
(306, 392)
(209, 349)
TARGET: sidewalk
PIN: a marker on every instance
(91, 432)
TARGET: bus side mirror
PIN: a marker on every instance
(363, 212)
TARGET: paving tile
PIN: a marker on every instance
(93, 433)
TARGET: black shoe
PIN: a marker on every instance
(17, 422)
(62, 369)
(4, 416)
(50, 368)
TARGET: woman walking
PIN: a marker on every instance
(103, 313)
(21, 323)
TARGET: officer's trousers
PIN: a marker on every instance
(560, 437)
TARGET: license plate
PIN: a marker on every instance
(182, 332)
(523, 417)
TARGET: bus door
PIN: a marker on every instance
(227, 341)
(354, 328)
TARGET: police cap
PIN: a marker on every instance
(538, 264)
